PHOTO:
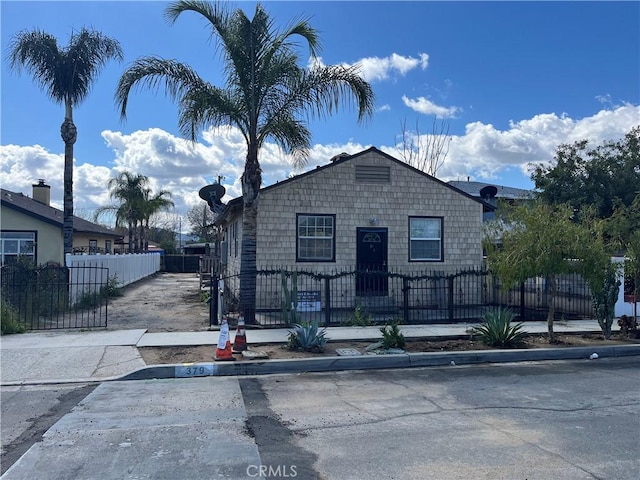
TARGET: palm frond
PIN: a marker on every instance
(64, 73)
(209, 105)
(153, 73)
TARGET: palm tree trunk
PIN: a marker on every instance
(251, 180)
(552, 287)
(130, 237)
(69, 135)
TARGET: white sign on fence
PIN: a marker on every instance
(309, 301)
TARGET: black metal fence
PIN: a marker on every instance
(54, 297)
(175, 263)
(357, 297)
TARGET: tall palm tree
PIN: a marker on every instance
(128, 190)
(152, 204)
(66, 75)
(264, 94)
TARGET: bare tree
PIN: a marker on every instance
(426, 152)
(200, 219)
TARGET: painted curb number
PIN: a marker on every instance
(194, 370)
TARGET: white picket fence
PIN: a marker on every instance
(127, 268)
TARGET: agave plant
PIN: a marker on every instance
(497, 331)
(307, 337)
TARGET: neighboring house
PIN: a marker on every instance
(32, 228)
(363, 211)
(493, 194)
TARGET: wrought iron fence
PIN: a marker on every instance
(53, 297)
(371, 297)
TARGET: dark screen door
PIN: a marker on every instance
(371, 262)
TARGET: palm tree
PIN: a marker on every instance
(66, 75)
(151, 205)
(128, 190)
(264, 94)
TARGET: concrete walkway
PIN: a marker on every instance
(63, 357)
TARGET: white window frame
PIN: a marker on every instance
(22, 238)
(320, 233)
(413, 239)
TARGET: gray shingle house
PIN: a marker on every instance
(362, 211)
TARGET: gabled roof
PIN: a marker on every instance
(32, 208)
(509, 193)
(236, 203)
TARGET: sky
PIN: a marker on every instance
(511, 80)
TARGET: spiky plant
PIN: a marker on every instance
(307, 337)
(497, 331)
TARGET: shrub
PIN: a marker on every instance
(307, 337)
(628, 326)
(359, 318)
(497, 330)
(392, 337)
(113, 287)
(9, 321)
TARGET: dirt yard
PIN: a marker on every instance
(165, 355)
(164, 302)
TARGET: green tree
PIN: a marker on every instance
(264, 95)
(152, 204)
(622, 228)
(535, 240)
(597, 268)
(601, 177)
(128, 190)
(66, 75)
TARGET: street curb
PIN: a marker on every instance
(369, 362)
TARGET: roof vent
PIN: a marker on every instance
(373, 174)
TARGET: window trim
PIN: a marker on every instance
(333, 240)
(427, 260)
(35, 245)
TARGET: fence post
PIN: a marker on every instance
(327, 302)
(522, 309)
(405, 299)
(450, 297)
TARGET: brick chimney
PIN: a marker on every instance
(42, 192)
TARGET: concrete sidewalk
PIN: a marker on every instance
(63, 357)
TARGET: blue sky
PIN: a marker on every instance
(513, 80)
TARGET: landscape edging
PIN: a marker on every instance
(368, 362)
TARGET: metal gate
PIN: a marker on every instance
(52, 297)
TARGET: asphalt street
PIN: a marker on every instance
(557, 419)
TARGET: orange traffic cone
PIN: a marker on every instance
(223, 352)
(240, 342)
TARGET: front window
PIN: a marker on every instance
(316, 238)
(107, 246)
(18, 244)
(425, 239)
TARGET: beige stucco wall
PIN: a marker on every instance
(81, 239)
(49, 241)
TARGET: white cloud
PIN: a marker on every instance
(377, 69)
(485, 152)
(427, 107)
(482, 152)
